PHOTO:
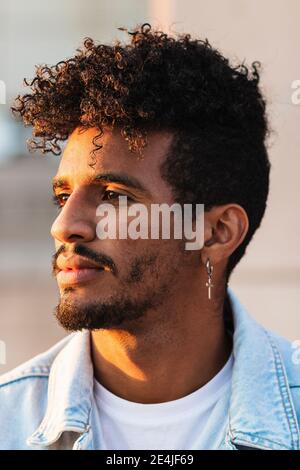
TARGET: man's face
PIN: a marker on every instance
(106, 283)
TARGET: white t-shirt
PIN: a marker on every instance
(182, 424)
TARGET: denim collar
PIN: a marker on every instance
(261, 412)
(70, 392)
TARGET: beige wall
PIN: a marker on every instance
(268, 278)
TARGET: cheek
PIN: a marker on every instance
(139, 259)
(132, 255)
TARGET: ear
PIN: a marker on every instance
(225, 228)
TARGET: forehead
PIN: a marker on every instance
(113, 157)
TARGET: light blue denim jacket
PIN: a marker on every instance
(46, 402)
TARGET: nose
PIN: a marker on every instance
(75, 221)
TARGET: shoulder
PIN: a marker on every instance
(23, 396)
(37, 367)
(289, 353)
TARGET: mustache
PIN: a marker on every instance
(85, 252)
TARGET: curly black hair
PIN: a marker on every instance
(215, 111)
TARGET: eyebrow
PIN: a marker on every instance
(119, 178)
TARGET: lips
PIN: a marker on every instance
(77, 270)
(75, 263)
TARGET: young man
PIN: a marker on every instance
(162, 354)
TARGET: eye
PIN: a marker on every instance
(110, 195)
(59, 199)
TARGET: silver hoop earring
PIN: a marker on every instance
(209, 284)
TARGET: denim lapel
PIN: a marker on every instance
(70, 392)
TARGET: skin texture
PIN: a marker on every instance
(169, 339)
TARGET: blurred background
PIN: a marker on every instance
(33, 32)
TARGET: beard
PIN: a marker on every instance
(114, 313)
(143, 289)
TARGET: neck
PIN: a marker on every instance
(169, 355)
